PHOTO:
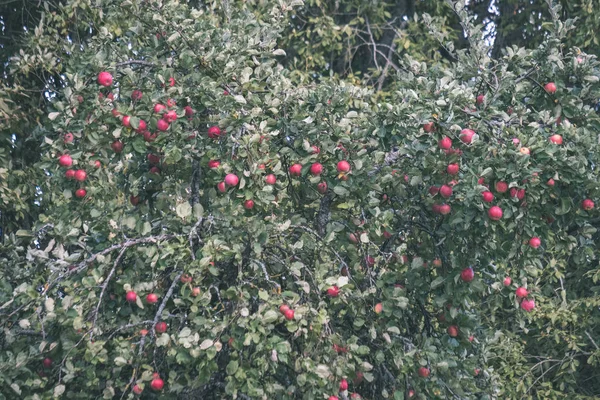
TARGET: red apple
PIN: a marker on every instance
(80, 175)
(195, 291)
(162, 125)
(535, 242)
(343, 166)
(137, 389)
(524, 150)
(97, 164)
(467, 274)
(289, 315)
(212, 164)
(315, 149)
(142, 126)
(231, 180)
(131, 296)
(47, 362)
(429, 127)
(550, 87)
(507, 281)
(158, 108)
(378, 308)
(284, 308)
(185, 279)
(143, 332)
(153, 159)
(155, 170)
(452, 331)
(495, 213)
(117, 146)
(126, 121)
(149, 136)
(556, 139)
(343, 385)
(322, 187)
(444, 209)
(488, 196)
(587, 204)
(270, 179)
(316, 169)
(70, 174)
(151, 298)
(521, 292)
(480, 99)
(249, 204)
(221, 187)
(134, 200)
(333, 291)
(68, 138)
(171, 81)
(452, 169)
(80, 193)
(528, 304)
(65, 160)
(445, 191)
(157, 384)
(296, 170)
(161, 327)
(136, 95)
(105, 79)
(370, 261)
(501, 187)
(189, 112)
(521, 194)
(214, 132)
(170, 116)
(445, 143)
(333, 398)
(466, 136)
(423, 372)
(550, 182)
(411, 393)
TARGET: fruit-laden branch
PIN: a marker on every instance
(160, 310)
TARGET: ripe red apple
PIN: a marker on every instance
(131, 296)
(70, 174)
(343, 166)
(231, 180)
(142, 126)
(501, 187)
(126, 121)
(117, 146)
(155, 170)
(195, 291)
(435, 208)
(444, 209)
(507, 281)
(556, 139)
(528, 304)
(68, 138)
(221, 187)
(134, 200)
(270, 179)
(467, 274)
(80, 193)
(466, 136)
(333, 291)
(550, 182)
(143, 332)
(316, 169)
(452, 169)
(171, 81)
(162, 125)
(387, 234)
(80, 175)
(521, 194)
(488, 196)
(189, 112)
(322, 187)
(411, 393)
(289, 315)
(161, 327)
(423, 372)
(284, 308)
(185, 278)
(315, 149)
(445, 143)
(136, 95)
(452, 331)
(353, 238)
(105, 79)
(296, 170)
(158, 108)
(480, 99)
(97, 164)
(524, 151)
(535, 242)
(153, 159)
(429, 127)
(495, 213)
(343, 385)
(437, 263)
(65, 160)
(521, 292)
(149, 136)
(212, 164)
(333, 398)
(170, 116)
(378, 308)
(370, 261)
(137, 389)
(587, 204)
(157, 384)
(249, 204)
(151, 298)
(550, 87)
(47, 362)
(445, 191)
(214, 132)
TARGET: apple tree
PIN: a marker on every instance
(214, 230)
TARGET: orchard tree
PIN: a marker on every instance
(213, 230)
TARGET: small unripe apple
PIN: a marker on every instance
(535, 242)
(550, 87)
(322, 187)
(214, 132)
(444, 209)
(249, 204)
(452, 331)
(507, 281)
(151, 298)
(521, 292)
(316, 169)
(47, 362)
(131, 296)
(70, 174)
(495, 213)
(378, 308)
(501, 187)
(528, 304)
(445, 143)
(343, 166)
(161, 327)
(429, 127)
(289, 314)
(488, 196)
(137, 389)
(221, 187)
(105, 79)
(423, 372)
(162, 125)
(117, 146)
(466, 136)
(231, 180)
(80, 193)
(65, 160)
(452, 169)
(212, 164)
(157, 384)
(333, 291)
(296, 170)
(587, 204)
(445, 191)
(467, 274)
